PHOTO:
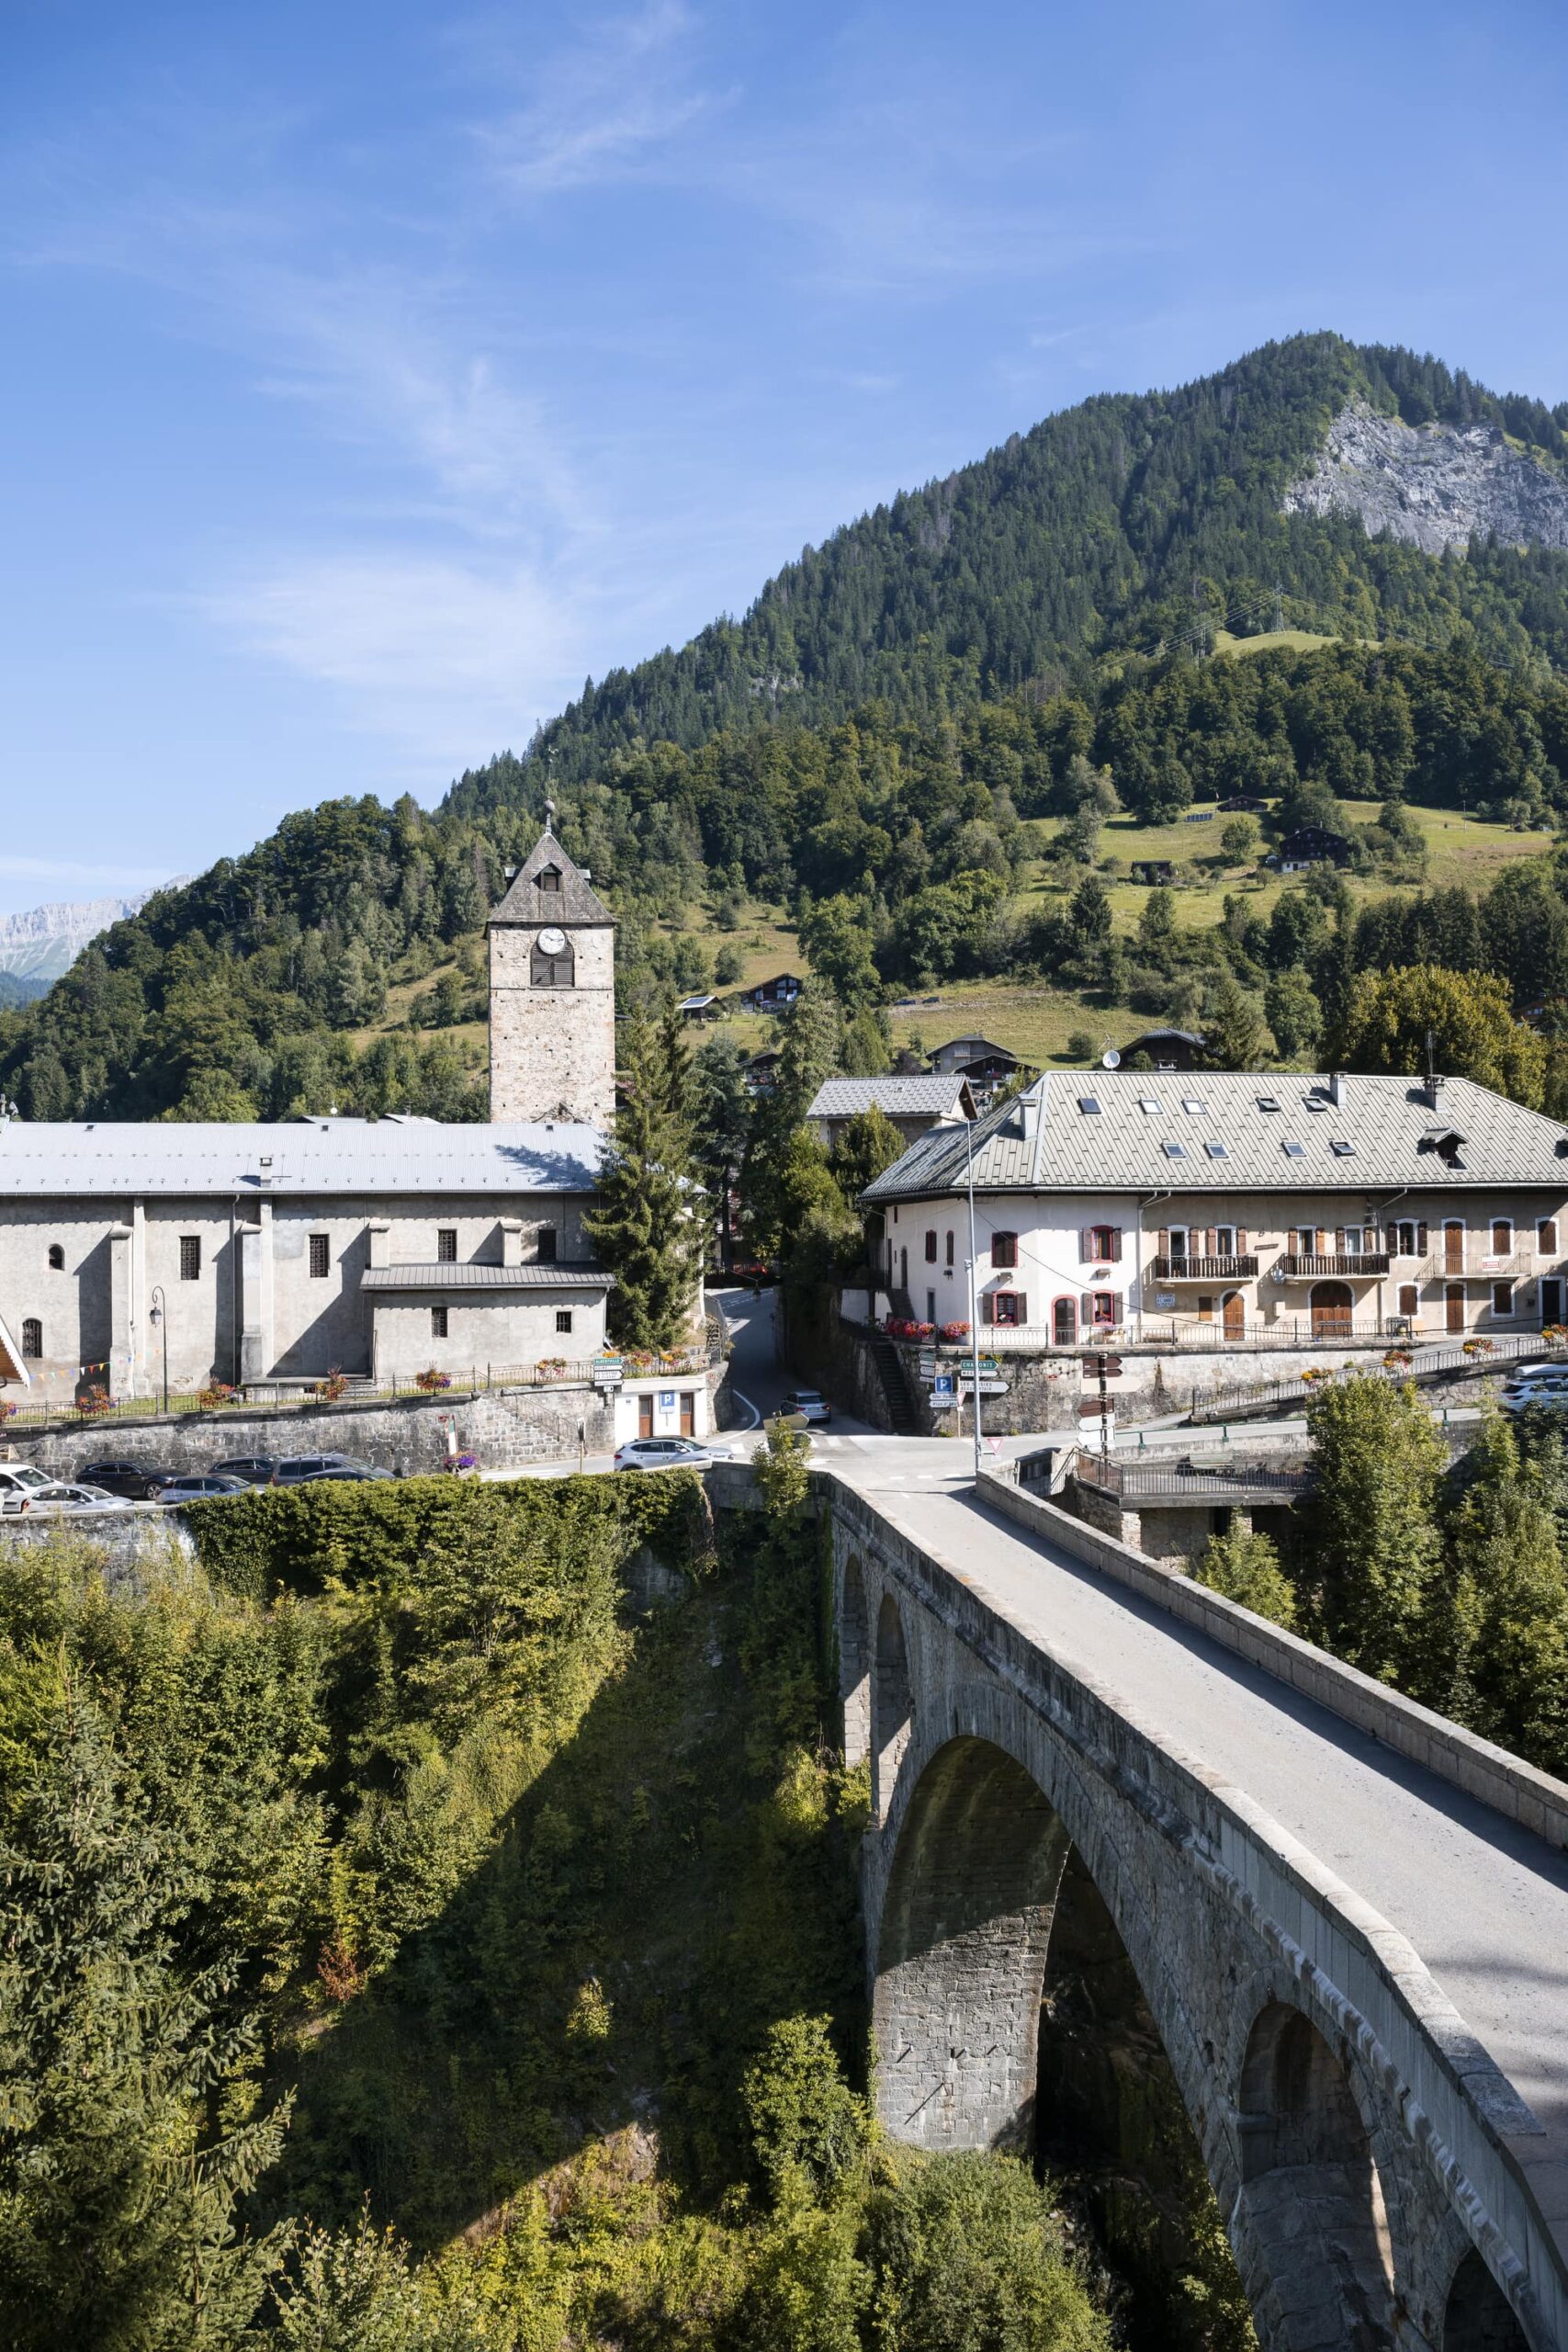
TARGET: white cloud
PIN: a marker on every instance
(438, 657)
(600, 107)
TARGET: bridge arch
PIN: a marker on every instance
(893, 1706)
(1478, 2317)
(1315, 2197)
(855, 1661)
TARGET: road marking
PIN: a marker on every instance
(756, 1417)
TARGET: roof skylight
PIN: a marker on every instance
(1089, 1106)
(1193, 1105)
(1340, 1149)
(1175, 1150)
(1295, 1151)
(1316, 1102)
(1268, 1103)
(1151, 1106)
(1216, 1151)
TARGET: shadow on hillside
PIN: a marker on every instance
(652, 1904)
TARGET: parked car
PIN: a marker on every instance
(1517, 1394)
(69, 1495)
(670, 1453)
(18, 1479)
(255, 1469)
(809, 1402)
(136, 1481)
(193, 1485)
(351, 1470)
(294, 1468)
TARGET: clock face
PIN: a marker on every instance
(552, 941)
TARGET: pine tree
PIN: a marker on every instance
(648, 1228)
(117, 2196)
(1373, 1550)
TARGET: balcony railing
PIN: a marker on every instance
(1203, 1270)
(1480, 1266)
(1297, 1266)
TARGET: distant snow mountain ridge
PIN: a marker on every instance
(37, 946)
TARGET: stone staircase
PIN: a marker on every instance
(901, 1414)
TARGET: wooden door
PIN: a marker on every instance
(1235, 1315)
(1453, 1306)
(645, 1416)
(1331, 1310)
(1453, 1248)
(1409, 1302)
(688, 1413)
(1551, 1300)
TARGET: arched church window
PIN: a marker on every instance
(552, 963)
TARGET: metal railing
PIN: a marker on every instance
(1261, 1397)
(1298, 1265)
(1202, 1269)
(1180, 1482)
(1477, 1266)
(294, 1396)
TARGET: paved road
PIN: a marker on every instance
(1484, 1902)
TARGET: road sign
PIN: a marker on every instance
(942, 1389)
(987, 1387)
(607, 1372)
(1106, 1367)
(927, 1363)
(1091, 1407)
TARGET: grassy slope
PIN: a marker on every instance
(1037, 1021)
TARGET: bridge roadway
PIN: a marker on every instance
(1482, 1901)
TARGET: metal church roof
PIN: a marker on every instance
(430, 1275)
(1224, 1131)
(124, 1158)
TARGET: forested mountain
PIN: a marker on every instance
(875, 749)
(1130, 522)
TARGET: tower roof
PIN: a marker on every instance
(532, 901)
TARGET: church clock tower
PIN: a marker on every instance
(552, 994)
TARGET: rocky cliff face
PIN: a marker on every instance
(1433, 484)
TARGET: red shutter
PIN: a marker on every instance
(988, 1307)
(1115, 1245)
(1023, 1308)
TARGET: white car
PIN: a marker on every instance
(810, 1404)
(20, 1485)
(670, 1453)
(66, 1494)
(1529, 1390)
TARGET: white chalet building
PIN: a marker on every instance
(1246, 1207)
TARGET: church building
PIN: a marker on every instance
(270, 1255)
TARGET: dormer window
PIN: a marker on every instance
(548, 877)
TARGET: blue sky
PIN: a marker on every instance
(371, 374)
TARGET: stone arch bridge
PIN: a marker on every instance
(1347, 1921)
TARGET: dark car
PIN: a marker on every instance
(255, 1469)
(352, 1470)
(135, 1480)
(191, 1485)
(295, 1468)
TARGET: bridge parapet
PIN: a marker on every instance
(1364, 2146)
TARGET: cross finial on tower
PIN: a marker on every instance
(550, 816)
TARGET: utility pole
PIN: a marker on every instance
(973, 1294)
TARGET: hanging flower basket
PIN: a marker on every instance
(216, 1393)
(1481, 1346)
(432, 1381)
(1315, 1373)
(334, 1386)
(93, 1401)
(1556, 1335)
(6, 1411)
(552, 1367)
(956, 1330)
(1398, 1360)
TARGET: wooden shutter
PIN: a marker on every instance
(1241, 1241)
(1086, 1245)
(1339, 1241)
(988, 1307)
(1421, 1239)
(1115, 1250)
(1116, 1315)
(1022, 1307)
(1163, 1240)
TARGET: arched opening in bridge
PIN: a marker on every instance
(1478, 2318)
(892, 1705)
(854, 1663)
(1113, 2131)
(1313, 2194)
(961, 1952)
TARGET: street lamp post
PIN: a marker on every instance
(974, 1293)
(160, 1319)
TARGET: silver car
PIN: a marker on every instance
(670, 1453)
(68, 1494)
